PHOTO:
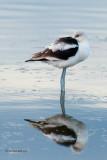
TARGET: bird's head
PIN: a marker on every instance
(80, 36)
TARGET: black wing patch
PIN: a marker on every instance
(59, 54)
(65, 54)
(68, 40)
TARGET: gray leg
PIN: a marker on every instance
(62, 95)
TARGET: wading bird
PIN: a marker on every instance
(63, 53)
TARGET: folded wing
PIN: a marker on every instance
(62, 49)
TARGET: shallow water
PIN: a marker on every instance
(27, 26)
(16, 134)
(32, 90)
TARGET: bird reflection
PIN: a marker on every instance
(64, 130)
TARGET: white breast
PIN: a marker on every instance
(84, 50)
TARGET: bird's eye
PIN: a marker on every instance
(77, 35)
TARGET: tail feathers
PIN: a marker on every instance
(37, 57)
(34, 123)
(29, 60)
(28, 120)
(43, 59)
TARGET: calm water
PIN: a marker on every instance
(26, 26)
(16, 134)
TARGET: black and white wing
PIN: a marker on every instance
(62, 49)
